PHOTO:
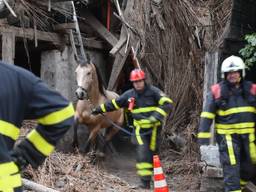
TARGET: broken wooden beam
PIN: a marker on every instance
(249, 187)
(118, 46)
(36, 187)
(117, 68)
(99, 28)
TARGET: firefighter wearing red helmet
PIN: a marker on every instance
(137, 74)
(148, 106)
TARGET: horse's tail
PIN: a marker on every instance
(75, 137)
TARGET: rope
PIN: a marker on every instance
(123, 129)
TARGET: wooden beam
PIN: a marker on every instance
(249, 187)
(29, 33)
(93, 44)
(117, 68)
(118, 46)
(55, 38)
(8, 47)
(64, 26)
(99, 28)
(36, 187)
(119, 62)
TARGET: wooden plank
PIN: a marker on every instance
(118, 46)
(64, 26)
(99, 28)
(93, 44)
(54, 38)
(122, 56)
(36, 187)
(29, 33)
(249, 187)
(117, 68)
(8, 47)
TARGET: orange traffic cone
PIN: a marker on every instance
(160, 184)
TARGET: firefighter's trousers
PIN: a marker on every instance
(146, 147)
(238, 159)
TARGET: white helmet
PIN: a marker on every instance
(232, 63)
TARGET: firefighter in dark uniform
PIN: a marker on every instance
(231, 103)
(24, 96)
(148, 107)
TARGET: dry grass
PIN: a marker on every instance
(73, 172)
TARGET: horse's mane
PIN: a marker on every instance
(101, 85)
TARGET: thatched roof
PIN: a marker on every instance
(169, 54)
(40, 13)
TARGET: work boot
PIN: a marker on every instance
(144, 184)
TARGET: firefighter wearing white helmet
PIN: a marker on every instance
(232, 64)
(231, 103)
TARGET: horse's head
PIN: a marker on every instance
(84, 78)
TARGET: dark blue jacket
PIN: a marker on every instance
(233, 111)
(25, 96)
(150, 102)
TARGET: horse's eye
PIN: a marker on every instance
(89, 73)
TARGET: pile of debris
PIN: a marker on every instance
(74, 172)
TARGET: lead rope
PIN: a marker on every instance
(119, 127)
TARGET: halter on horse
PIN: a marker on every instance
(91, 93)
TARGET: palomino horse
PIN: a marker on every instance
(91, 93)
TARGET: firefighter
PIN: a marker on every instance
(24, 96)
(231, 103)
(148, 106)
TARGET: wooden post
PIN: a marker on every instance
(8, 47)
(210, 77)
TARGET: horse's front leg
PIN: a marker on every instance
(110, 133)
(94, 130)
(88, 118)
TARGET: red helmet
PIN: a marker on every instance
(137, 74)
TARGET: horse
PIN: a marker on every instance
(91, 93)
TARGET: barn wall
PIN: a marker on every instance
(58, 69)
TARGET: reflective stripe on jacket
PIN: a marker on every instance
(24, 96)
(233, 112)
(150, 102)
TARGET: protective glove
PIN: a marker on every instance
(152, 119)
(18, 159)
(96, 111)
